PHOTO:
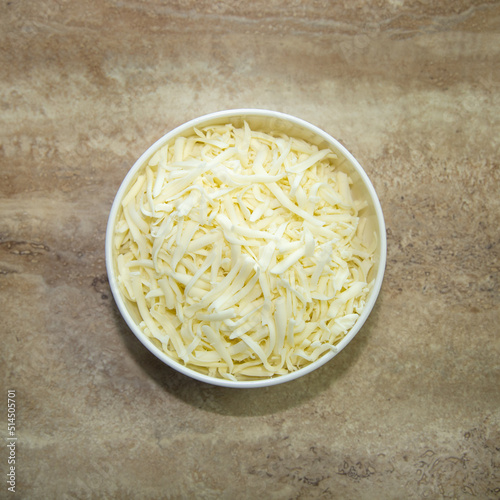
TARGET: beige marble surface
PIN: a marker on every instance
(411, 408)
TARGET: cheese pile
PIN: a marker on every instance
(244, 252)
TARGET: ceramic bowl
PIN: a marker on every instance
(266, 121)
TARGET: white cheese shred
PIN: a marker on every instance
(246, 254)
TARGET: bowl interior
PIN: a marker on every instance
(265, 121)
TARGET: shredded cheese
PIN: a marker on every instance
(243, 252)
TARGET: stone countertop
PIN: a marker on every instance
(410, 409)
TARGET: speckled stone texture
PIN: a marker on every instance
(410, 409)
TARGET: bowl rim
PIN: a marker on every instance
(200, 122)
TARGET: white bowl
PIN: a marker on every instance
(264, 120)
